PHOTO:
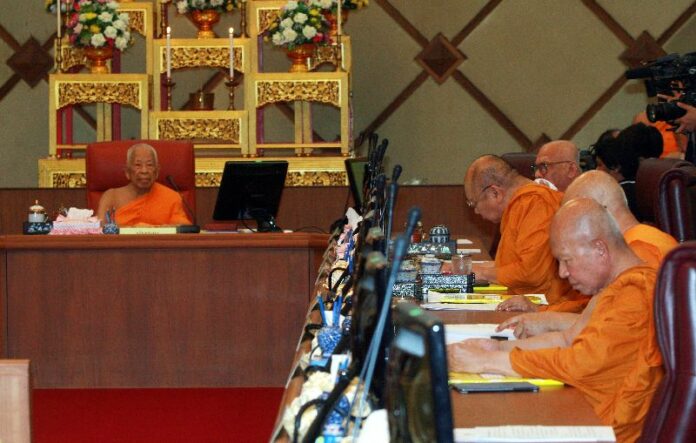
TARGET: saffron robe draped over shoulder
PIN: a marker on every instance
(160, 206)
(649, 243)
(615, 360)
(524, 262)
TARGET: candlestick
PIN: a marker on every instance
(58, 17)
(169, 52)
(243, 22)
(338, 16)
(231, 84)
(231, 53)
(169, 84)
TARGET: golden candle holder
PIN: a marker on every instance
(339, 54)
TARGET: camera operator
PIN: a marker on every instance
(672, 79)
(687, 123)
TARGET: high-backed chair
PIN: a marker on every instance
(522, 162)
(677, 202)
(105, 163)
(647, 180)
(673, 408)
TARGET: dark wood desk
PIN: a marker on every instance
(156, 311)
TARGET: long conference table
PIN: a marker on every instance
(551, 406)
(156, 311)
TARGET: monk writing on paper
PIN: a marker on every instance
(143, 201)
(647, 242)
(610, 353)
(523, 263)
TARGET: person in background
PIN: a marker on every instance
(610, 353)
(673, 143)
(143, 201)
(558, 162)
(619, 160)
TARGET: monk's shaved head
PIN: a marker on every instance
(489, 170)
(599, 186)
(558, 162)
(585, 219)
(585, 239)
(560, 150)
(143, 147)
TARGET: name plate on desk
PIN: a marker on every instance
(148, 230)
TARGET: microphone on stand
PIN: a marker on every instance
(184, 229)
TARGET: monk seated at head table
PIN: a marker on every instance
(610, 353)
(143, 201)
(523, 262)
(647, 242)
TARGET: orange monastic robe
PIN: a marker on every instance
(615, 361)
(160, 206)
(524, 262)
(649, 243)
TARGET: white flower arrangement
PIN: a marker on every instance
(97, 23)
(299, 23)
(186, 6)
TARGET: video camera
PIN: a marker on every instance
(668, 75)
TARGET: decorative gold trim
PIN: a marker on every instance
(203, 56)
(265, 17)
(200, 130)
(305, 171)
(273, 91)
(123, 92)
(72, 57)
(137, 19)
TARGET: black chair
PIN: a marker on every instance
(647, 186)
(677, 202)
(522, 162)
(673, 408)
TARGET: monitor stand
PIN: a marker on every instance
(265, 222)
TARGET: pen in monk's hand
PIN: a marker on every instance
(322, 309)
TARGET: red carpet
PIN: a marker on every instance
(154, 415)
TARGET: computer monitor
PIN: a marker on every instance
(417, 393)
(251, 191)
(355, 169)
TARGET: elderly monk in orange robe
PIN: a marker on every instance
(610, 353)
(524, 209)
(647, 242)
(558, 162)
(143, 201)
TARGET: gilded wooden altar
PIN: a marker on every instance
(233, 129)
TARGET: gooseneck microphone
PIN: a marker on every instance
(194, 228)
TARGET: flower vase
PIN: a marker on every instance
(97, 58)
(204, 21)
(330, 17)
(299, 56)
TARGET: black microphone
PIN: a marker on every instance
(194, 228)
(396, 173)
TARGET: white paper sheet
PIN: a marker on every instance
(535, 434)
(455, 333)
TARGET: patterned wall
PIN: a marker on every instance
(444, 80)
